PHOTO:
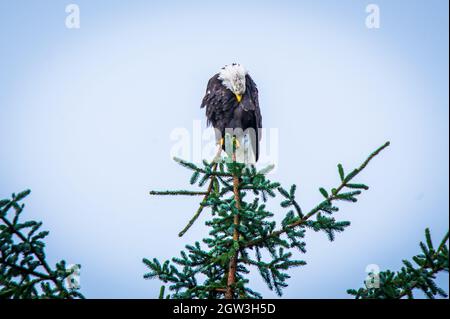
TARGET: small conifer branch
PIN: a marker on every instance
(442, 244)
(200, 208)
(206, 195)
(179, 192)
(297, 208)
(25, 270)
(290, 199)
(434, 269)
(200, 170)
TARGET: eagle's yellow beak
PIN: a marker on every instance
(238, 97)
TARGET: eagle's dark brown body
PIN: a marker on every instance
(223, 110)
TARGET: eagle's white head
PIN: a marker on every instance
(233, 78)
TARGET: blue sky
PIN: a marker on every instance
(86, 116)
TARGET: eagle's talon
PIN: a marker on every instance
(236, 142)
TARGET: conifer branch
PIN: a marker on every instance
(39, 256)
(434, 269)
(200, 170)
(400, 284)
(23, 258)
(200, 208)
(25, 270)
(180, 192)
(206, 194)
(330, 198)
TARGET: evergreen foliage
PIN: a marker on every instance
(24, 271)
(400, 284)
(242, 234)
(242, 237)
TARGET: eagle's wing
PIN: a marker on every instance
(252, 105)
(217, 102)
(253, 90)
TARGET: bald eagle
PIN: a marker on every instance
(232, 106)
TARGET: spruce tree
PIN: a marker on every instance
(242, 233)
